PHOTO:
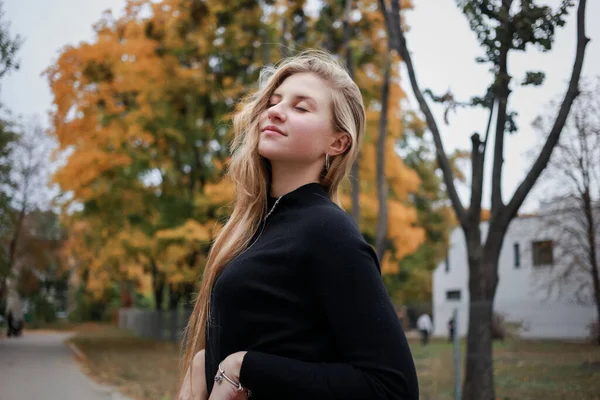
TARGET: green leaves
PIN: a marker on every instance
(501, 29)
(534, 78)
(9, 46)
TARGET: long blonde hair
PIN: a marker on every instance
(250, 174)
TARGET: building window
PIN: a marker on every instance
(453, 295)
(542, 252)
(448, 262)
(517, 252)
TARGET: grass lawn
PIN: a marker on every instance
(140, 368)
(524, 370)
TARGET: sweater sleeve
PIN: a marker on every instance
(377, 362)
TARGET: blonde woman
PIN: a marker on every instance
(292, 305)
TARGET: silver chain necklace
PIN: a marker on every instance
(272, 208)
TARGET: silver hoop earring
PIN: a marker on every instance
(327, 165)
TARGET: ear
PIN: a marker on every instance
(341, 142)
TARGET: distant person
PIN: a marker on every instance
(14, 316)
(451, 327)
(425, 326)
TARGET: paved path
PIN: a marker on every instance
(40, 366)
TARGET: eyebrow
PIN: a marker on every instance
(299, 97)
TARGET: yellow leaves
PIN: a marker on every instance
(401, 179)
(389, 266)
(133, 271)
(172, 255)
(97, 284)
(135, 132)
(190, 231)
(402, 229)
(144, 285)
(83, 167)
(220, 192)
(136, 239)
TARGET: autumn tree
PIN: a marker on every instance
(7, 142)
(9, 46)
(502, 28)
(144, 110)
(42, 278)
(573, 174)
(28, 194)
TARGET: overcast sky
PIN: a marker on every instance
(442, 46)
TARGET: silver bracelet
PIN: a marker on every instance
(221, 374)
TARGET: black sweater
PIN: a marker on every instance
(307, 301)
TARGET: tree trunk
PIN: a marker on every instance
(355, 172)
(158, 286)
(283, 45)
(356, 191)
(12, 250)
(483, 280)
(126, 297)
(264, 46)
(175, 295)
(479, 382)
(382, 192)
(188, 295)
(479, 379)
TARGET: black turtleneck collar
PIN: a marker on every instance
(304, 194)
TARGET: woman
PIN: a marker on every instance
(292, 304)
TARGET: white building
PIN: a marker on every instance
(533, 290)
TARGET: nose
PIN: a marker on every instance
(276, 113)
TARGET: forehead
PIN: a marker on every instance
(304, 84)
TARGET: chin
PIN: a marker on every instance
(270, 152)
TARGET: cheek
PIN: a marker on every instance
(263, 118)
(310, 134)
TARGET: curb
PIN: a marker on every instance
(78, 353)
(112, 392)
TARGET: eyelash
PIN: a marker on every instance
(297, 108)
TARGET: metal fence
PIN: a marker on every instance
(158, 325)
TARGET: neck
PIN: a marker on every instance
(287, 178)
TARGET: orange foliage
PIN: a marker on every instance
(140, 111)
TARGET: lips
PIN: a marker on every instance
(273, 128)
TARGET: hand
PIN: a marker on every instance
(194, 383)
(232, 366)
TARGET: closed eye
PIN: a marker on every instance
(301, 109)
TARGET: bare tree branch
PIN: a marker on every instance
(572, 92)
(382, 187)
(400, 43)
(477, 170)
(501, 93)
